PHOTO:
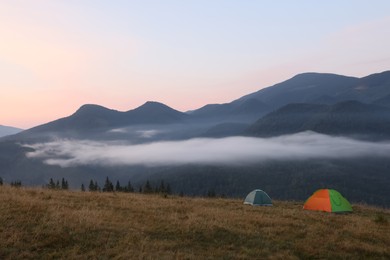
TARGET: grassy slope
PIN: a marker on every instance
(38, 223)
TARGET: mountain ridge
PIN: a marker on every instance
(310, 88)
(94, 119)
(347, 118)
(9, 130)
(338, 113)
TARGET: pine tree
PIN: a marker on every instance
(51, 184)
(147, 187)
(1, 181)
(82, 187)
(64, 184)
(118, 186)
(129, 187)
(108, 186)
(91, 186)
(58, 185)
(16, 183)
(211, 194)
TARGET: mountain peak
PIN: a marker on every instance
(156, 112)
(153, 104)
(92, 110)
(86, 108)
(8, 130)
(317, 76)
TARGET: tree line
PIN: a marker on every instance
(146, 188)
(16, 183)
(56, 185)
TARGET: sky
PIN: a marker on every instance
(60, 54)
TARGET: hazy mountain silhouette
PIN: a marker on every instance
(94, 119)
(155, 113)
(314, 88)
(225, 129)
(228, 119)
(8, 130)
(384, 101)
(348, 118)
(237, 111)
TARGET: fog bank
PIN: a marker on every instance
(224, 151)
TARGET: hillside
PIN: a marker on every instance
(324, 88)
(61, 224)
(317, 88)
(94, 121)
(97, 122)
(8, 130)
(348, 118)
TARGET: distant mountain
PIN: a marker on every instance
(372, 87)
(225, 129)
(349, 118)
(314, 88)
(8, 130)
(94, 119)
(305, 88)
(245, 111)
(324, 103)
(155, 113)
(384, 101)
(216, 120)
(227, 119)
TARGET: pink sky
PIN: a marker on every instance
(58, 55)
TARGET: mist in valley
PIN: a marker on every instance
(204, 151)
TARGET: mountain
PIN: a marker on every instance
(245, 111)
(314, 88)
(225, 130)
(371, 88)
(324, 103)
(8, 130)
(304, 88)
(155, 113)
(349, 118)
(309, 88)
(94, 120)
(383, 101)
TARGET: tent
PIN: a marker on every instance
(258, 198)
(327, 200)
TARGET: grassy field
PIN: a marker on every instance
(40, 223)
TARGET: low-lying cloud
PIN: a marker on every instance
(140, 133)
(226, 151)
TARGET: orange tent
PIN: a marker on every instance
(327, 200)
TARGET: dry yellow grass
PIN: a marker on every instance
(39, 223)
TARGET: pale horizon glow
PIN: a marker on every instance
(58, 55)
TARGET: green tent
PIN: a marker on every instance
(328, 200)
(258, 198)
